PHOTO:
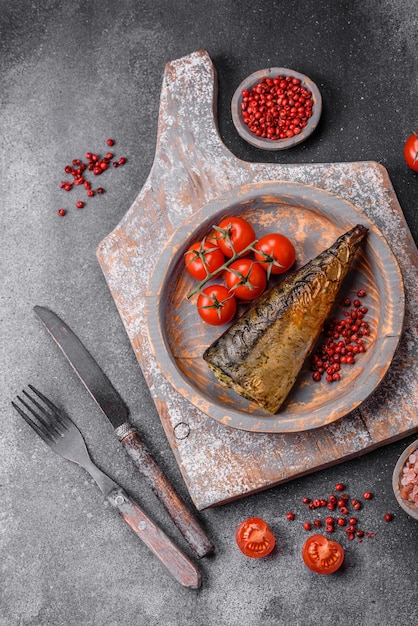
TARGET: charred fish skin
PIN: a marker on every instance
(262, 353)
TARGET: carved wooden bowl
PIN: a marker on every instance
(312, 219)
(275, 144)
(406, 505)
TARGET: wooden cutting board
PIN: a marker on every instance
(191, 168)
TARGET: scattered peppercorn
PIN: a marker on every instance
(345, 521)
(96, 165)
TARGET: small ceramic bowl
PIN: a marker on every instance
(275, 144)
(407, 506)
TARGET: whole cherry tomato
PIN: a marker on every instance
(234, 234)
(203, 258)
(411, 151)
(254, 538)
(322, 555)
(276, 253)
(216, 305)
(246, 279)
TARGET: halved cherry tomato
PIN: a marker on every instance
(216, 305)
(322, 555)
(203, 258)
(254, 538)
(246, 279)
(411, 151)
(275, 252)
(234, 234)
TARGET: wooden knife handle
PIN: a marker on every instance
(178, 564)
(174, 505)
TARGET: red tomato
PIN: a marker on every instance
(276, 253)
(254, 538)
(203, 258)
(234, 234)
(410, 151)
(216, 305)
(322, 555)
(246, 279)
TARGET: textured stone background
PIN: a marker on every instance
(71, 75)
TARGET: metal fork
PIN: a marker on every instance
(63, 437)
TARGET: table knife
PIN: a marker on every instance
(115, 409)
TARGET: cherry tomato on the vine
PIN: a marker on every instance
(322, 555)
(246, 279)
(216, 305)
(254, 538)
(411, 151)
(234, 234)
(275, 252)
(203, 258)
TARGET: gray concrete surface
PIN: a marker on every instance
(71, 75)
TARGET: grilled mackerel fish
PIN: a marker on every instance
(262, 353)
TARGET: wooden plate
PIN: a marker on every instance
(312, 219)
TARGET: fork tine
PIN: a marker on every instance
(46, 400)
(40, 430)
(61, 417)
(49, 422)
(45, 418)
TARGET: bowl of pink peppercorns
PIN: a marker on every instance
(276, 108)
(405, 480)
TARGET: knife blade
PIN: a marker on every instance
(115, 409)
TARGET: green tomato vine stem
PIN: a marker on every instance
(220, 269)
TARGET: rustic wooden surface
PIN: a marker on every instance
(191, 168)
